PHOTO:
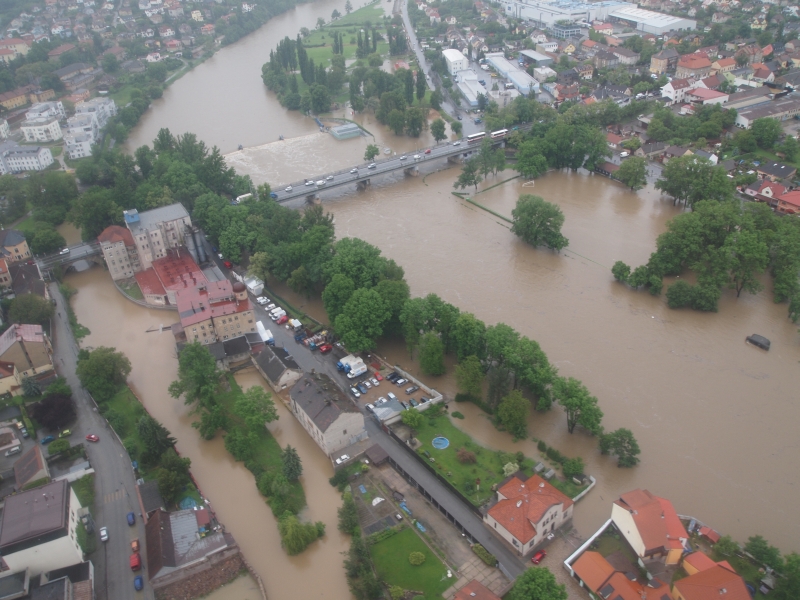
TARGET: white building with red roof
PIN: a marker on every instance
(526, 511)
(214, 311)
(650, 525)
(119, 252)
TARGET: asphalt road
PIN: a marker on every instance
(115, 492)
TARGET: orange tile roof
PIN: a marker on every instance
(655, 518)
(726, 62)
(777, 189)
(716, 583)
(593, 569)
(114, 233)
(792, 198)
(699, 561)
(475, 590)
(149, 283)
(598, 574)
(178, 271)
(525, 504)
(694, 61)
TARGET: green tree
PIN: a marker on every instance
(412, 418)
(689, 179)
(621, 271)
(348, 7)
(622, 443)
(633, 173)
(766, 132)
(469, 335)
(170, 486)
(436, 100)
(58, 446)
(95, 210)
(348, 514)
(30, 387)
(725, 548)
(761, 550)
(320, 99)
(746, 257)
(573, 466)
(539, 222)
(296, 536)
(437, 130)
(156, 439)
(198, 377)
(421, 87)
(580, 406)
(531, 163)
(103, 371)
(469, 376)
(46, 240)
(416, 121)
(291, 467)
(788, 586)
(362, 320)
(512, 414)
(396, 120)
(30, 309)
(537, 583)
(371, 152)
(256, 408)
(456, 127)
(336, 294)
(469, 175)
(431, 354)
(395, 293)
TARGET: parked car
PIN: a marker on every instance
(92, 438)
(262, 300)
(25, 433)
(342, 458)
(131, 519)
(372, 166)
(361, 387)
(136, 561)
(374, 382)
(65, 433)
(270, 306)
(538, 557)
(282, 320)
(104, 534)
(412, 389)
(47, 440)
(13, 451)
(135, 545)
(228, 264)
(413, 402)
(391, 396)
(378, 376)
(138, 583)
(325, 348)
(371, 407)
(393, 376)
(220, 256)
(355, 392)
(380, 400)
(401, 381)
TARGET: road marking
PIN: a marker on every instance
(108, 498)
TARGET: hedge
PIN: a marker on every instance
(484, 555)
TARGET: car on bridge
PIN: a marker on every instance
(372, 166)
(288, 188)
(64, 251)
(354, 171)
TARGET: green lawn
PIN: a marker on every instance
(373, 13)
(123, 411)
(391, 562)
(133, 290)
(84, 490)
(122, 97)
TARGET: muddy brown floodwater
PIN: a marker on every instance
(318, 572)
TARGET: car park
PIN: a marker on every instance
(228, 264)
(131, 519)
(104, 534)
(342, 458)
(138, 583)
(288, 188)
(92, 438)
(372, 166)
(412, 389)
(262, 300)
(374, 382)
(282, 320)
(538, 557)
(47, 440)
(355, 392)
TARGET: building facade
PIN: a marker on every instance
(215, 311)
(664, 61)
(42, 130)
(455, 61)
(15, 158)
(157, 231)
(119, 252)
(28, 348)
(13, 245)
(102, 108)
(46, 110)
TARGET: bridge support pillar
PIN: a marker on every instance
(313, 199)
(362, 184)
(413, 171)
(455, 159)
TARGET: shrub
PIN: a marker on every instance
(466, 457)
(396, 592)
(520, 457)
(384, 534)
(573, 466)
(58, 446)
(510, 468)
(541, 446)
(484, 555)
(555, 455)
(457, 415)
(416, 558)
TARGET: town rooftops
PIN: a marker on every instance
(679, 84)
(21, 333)
(274, 362)
(114, 234)
(37, 513)
(29, 465)
(704, 94)
(11, 237)
(694, 61)
(593, 569)
(666, 54)
(178, 271)
(719, 581)
(777, 170)
(725, 62)
(699, 561)
(655, 518)
(475, 590)
(792, 198)
(524, 504)
(320, 399)
(150, 496)
(149, 283)
(207, 300)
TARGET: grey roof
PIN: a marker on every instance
(69, 69)
(28, 466)
(9, 413)
(237, 345)
(702, 154)
(12, 584)
(151, 497)
(149, 219)
(274, 362)
(55, 590)
(666, 54)
(217, 350)
(776, 169)
(34, 514)
(377, 454)
(320, 398)
(11, 237)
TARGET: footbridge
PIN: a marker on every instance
(361, 175)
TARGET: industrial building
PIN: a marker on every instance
(546, 14)
(470, 87)
(524, 83)
(648, 21)
(455, 61)
(537, 58)
(780, 110)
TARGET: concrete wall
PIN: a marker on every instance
(340, 433)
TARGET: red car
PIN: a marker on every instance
(282, 320)
(428, 151)
(325, 348)
(378, 376)
(92, 438)
(227, 264)
(538, 557)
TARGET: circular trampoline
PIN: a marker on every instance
(440, 443)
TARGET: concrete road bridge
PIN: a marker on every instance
(87, 251)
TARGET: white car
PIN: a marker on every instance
(374, 382)
(104, 534)
(262, 300)
(288, 188)
(220, 256)
(354, 171)
(367, 384)
(380, 400)
(403, 157)
(309, 183)
(417, 157)
(342, 459)
(456, 143)
(271, 306)
(329, 178)
(64, 251)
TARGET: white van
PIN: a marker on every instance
(277, 315)
(275, 310)
(14, 450)
(624, 154)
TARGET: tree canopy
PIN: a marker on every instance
(539, 222)
(103, 371)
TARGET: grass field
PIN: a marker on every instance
(391, 562)
(123, 411)
(133, 290)
(373, 13)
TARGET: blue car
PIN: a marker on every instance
(138, 583)
(48, 439)
(273, 195)
(131, 519)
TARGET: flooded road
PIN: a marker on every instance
(230, 487)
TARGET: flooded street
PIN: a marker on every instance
(230, 487)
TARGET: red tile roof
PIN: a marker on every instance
(114, 233)
(792, 198)
(694, 61)
(178, 271)
(149, 283)
(699, 561)
(613, 138)
(712, 535)
(705, 94)
(655, 518)
(211, 300)
(593, 569)
(726, 62)
(525, 504)
(475, 590)
(713, 584)
(598, 574)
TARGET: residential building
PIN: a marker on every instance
(46, 110)
(278, 367)
(604, 60)
(11, 48)
(766, 191)
(38, 529)
(775, 171)
(31, 466)
(13, 246)
(664, 61)
(475, 590)
(693, 65)
(157, 231)
(584, 71)
(708, 580)
(10, 380)
(78, 145)
(677, 89)
(757, 96)
(84, 123)
(701, 95)
(102, 108)
(28, 348)
(780, 110)
(4, 129)
(542, 74)
(56, 53)
(709, 156)
(503, 97)
(26, 279)
(651, 526)
(212, 311)
(184, 544)
(527, 510)
(565, 30)
(625, 56)
(41, 130)
(15, 158)
(455, 61)
(597, 575)
(15, 98)
(723, 65)
(5, 274)
(604, 28)
(789, 203)
(119, 251)
(326, 413)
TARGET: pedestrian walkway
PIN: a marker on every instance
(113, 497)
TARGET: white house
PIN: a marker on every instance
(38, 530)
(46, 110)
(542, 74)
(676, 89)
(85, 123)
(15, 158)
(78, 145)
(527, 511)
(326, 414)
(4, 129)
(455, 61)
(41, 130)
(102, 108)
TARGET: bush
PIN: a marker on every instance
(555, 455)
(456, 415)
(542, 446)
(396, 592)
(484, 555)
(58, 446)
(679, 294)
(621, 271)
(384, 534)
(416, 558)
(573, 466)
(465, 457)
